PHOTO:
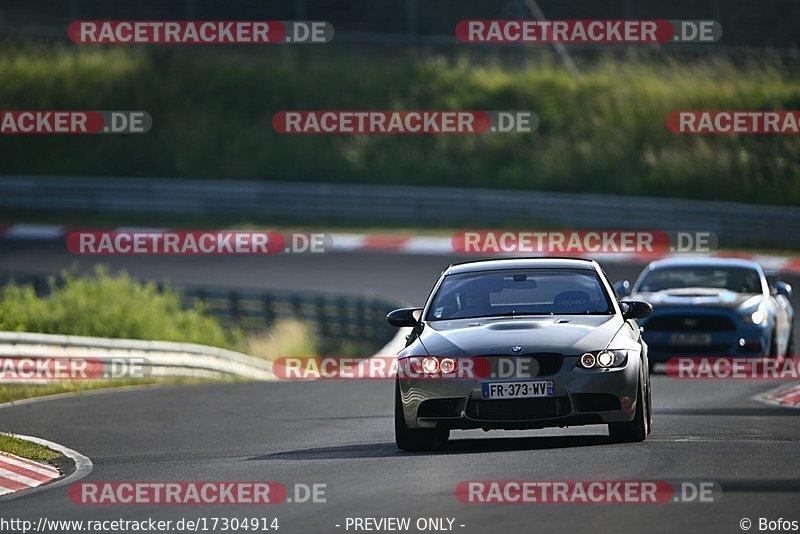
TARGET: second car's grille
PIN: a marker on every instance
(681, 350)
(518, 409)
(690, 323)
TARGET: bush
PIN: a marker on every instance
(286, 338)
(114, 306)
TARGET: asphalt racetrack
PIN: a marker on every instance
(340, 433)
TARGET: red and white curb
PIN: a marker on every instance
(786, 396)
(402, 244)
(18, 473)
(443, 246)
(19, 476)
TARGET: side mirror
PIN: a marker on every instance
(623, 288)
(636, 309)
(782, 288)
(404, 317)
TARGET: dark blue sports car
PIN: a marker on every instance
(712, 307)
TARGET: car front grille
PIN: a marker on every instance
(539, 364)
(681, 350)
(690, 323)
(518, 409)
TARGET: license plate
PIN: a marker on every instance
(516, 390)
(695, 340)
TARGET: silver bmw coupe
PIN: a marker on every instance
(521, 344)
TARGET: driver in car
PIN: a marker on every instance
(475, 303)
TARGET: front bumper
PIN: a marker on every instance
(580, 397)
(737, 339)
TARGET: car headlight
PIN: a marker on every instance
(758, 316)
(447, 365)
(430, 365)
(603, 359)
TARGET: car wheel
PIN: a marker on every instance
(636, 430)
(415, 439)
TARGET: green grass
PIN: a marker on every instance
(212, 111)
(26, 449)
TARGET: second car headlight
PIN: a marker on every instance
(603, 359)
(757, 316)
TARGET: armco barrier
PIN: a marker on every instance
(163, 358)
(735, 224)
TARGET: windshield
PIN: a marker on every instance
(737, 279)
(519, 292)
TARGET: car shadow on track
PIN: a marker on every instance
(456, 446)
(766, 411)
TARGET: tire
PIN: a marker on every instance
(636, 430)
(415, 439)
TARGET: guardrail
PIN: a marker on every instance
(334, 317)
(734, 223)
(159, 358)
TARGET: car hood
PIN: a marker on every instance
(700, 296)
(563, 334)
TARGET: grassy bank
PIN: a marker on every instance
(212, 112)
(109, 305)
(26, 449)
(117, 306)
